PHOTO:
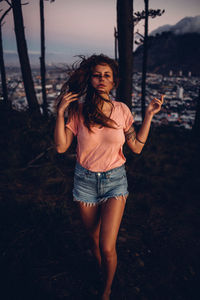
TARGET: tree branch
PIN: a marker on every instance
(40, 155)
(13, 89)
(5, 13)
(8, 2)
(142, 36)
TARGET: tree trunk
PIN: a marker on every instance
(6, 102)
(24, 59)
(3, 75)
(116, 43)
(144, 63)
(42, 60)
(125, 46)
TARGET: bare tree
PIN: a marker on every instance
(2, 65)
(125, 47)
(23, 57)
(42, 58)
(138, 16)
(116, 43)
(144, 63)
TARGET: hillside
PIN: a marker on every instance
(168, 51)
(44, 249)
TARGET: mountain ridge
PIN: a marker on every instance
(168, 51)
(185, 25)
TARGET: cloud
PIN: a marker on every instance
(187, 25)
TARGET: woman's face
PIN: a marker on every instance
(102, 79)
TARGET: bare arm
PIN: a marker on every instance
(63, 136)
(137, 141)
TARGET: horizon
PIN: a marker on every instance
(66, 39)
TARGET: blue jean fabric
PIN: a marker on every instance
(95, 187)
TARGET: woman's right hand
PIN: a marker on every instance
(66, 100)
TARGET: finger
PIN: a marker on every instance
(74, 94)
(157, 104)
(162, 98)
(72, 100)
(70, 96)
(156, 101)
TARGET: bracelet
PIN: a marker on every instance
(139, 141)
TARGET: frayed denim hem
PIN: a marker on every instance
(103, 200)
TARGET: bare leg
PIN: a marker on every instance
(111, 215)
(91, 219)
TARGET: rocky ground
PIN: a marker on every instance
(44, 252)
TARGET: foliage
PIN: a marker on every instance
(153, 13)
(141, 15)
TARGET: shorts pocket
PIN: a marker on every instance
(118, 176)
(82, 173)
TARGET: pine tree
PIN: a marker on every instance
(138, 16)
(125, 47)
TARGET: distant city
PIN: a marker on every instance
(181, 94)
(179, 108)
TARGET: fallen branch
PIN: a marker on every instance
(39, 156)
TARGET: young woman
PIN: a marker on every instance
(102, 126)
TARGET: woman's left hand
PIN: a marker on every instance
(155, 105)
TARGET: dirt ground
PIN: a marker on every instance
(44, 249)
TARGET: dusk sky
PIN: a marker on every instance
(76, 27)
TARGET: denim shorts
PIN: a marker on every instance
(93, 188)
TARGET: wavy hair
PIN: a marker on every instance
(79, 82)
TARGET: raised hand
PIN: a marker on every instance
(155, 105)
(66, 100)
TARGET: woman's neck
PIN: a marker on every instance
(106, 108)
(104, 95)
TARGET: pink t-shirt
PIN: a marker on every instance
(101, 149)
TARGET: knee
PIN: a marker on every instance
(108, 251)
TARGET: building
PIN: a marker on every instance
(179, 92)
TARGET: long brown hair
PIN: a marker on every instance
(79, 82)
